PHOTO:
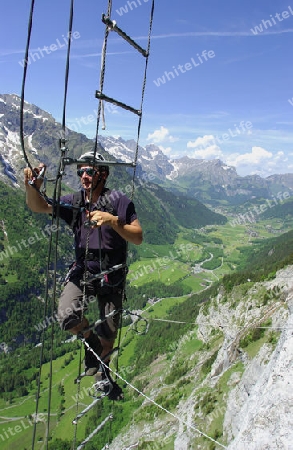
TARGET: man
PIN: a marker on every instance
(104, 222)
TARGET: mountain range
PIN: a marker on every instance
(161, 211)
(212, 182)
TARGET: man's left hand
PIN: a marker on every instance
(100, 218)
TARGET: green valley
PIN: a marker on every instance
(169, 285)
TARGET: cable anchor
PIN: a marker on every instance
(62, 145)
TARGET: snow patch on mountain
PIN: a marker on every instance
(30, 145)
(13, 138)
(174, 173)
(8, 170)
(118, 152)
(154, 153)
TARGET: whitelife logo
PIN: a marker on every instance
(271, 22)
(183, 68)
(47, 50)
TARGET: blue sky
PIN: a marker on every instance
(219, 82)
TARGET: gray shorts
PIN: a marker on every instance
(73, 305)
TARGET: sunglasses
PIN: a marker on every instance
(88, 170)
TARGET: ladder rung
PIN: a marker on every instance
(113, 26)
(68, 161)
(87, 409)
(103, 273)
(94, 432)
(101, 96)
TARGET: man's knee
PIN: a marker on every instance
(68, 317)
(72, 305)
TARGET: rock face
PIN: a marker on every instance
(257, 411)
(260, 409)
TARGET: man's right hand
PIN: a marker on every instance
(36, 176)
(35, 201)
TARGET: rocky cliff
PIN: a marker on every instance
(260, 407)
(237, 390)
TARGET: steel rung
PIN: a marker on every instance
(80, 447)
(113, 26)
(101, 274)
(88, 408)
(69, 161)
(104, 97)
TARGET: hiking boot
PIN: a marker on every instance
(102, 372)
(105, 383)
(115, 392)
(91, 363)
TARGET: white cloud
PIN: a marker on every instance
(258, 155)
(204, 141)
(211, 152)
(161, 135)
(281, 155)
(267, 152)
(205, 147)
(166, 150)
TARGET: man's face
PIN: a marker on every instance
(89, 176)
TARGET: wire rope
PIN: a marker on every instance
(56, 202)
(56, 197)
(143, 89)
(139, 129)
(100, 112)
(22, 100)
(22, 96)
(179, 419)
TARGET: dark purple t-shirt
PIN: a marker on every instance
(104, 237)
